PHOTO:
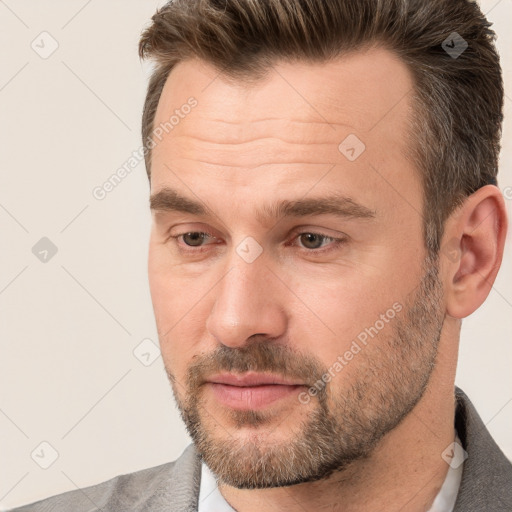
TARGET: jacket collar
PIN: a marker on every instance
(487, 474)
(486, 478)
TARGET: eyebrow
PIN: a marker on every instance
(169, 200)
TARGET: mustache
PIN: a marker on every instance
(258, 356)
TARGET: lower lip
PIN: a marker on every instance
(251, 397)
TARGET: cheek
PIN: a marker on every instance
(171, 293)
(181, 306)
(337, 310)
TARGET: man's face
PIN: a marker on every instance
(334, 315)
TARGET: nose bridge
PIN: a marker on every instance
(246, 303)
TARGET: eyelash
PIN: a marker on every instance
(199, 249)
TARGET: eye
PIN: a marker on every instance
(313, 240)
(192, 239)
(317, 242)
(195, 238)
(309, 242)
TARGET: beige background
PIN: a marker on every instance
(68, 328)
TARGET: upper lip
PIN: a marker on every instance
(250, 379)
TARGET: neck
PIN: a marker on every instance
(405, 471)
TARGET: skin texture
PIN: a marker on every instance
(294, 309)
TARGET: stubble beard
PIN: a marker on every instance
(343, 426)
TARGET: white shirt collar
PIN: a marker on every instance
(447, 495)
(211, 500)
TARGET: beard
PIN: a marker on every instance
(344, 424)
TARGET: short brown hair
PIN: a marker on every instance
(458, 100)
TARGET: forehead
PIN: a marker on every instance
(364, 90)
(287, 130)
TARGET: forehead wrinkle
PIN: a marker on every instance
(247, 122)
(213, 132)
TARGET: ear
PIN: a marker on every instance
(472, 250)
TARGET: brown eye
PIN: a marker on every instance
(194, 238)
(193, 243)
(312, 244)
(313, 240)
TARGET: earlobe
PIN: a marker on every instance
(473, 250)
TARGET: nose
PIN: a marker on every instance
(247, 303)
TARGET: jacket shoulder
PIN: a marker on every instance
(138, 491)
(487, 473)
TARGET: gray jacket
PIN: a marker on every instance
(486, 484)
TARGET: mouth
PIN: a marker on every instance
(251, 390)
